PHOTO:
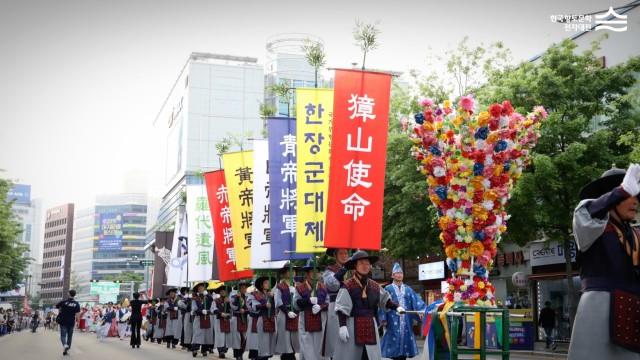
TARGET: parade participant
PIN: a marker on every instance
(123, 319)
(136, 320)
(398, 342)
(239, 321)
(609, 250)
(222, 322)
(252, 330)
(152, 318)
(263, 305)
(184, 304)
(107, 318)
(311, 298)
(333, 277)
(357, 306)
(69, 310)
(287, 342)
(82, 323)
(88, 319)
(170, 311)
(211, 297)
(200, 312)
(160, 325)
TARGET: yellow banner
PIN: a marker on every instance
(314, 113)
(238, 173)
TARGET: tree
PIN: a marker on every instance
(13, 261)
(366, 37)
(282, 91)
(127, 277)
(588, 114)
(266, 111)
(315, 55)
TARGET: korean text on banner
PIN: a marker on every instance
(283, 184)
(218, 195)
(239, 176)
(358, 159)
(261, 238)
(314, 112)
(200, 248)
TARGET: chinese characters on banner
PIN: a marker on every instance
(358, 159)
(239, 176)
(314, 112)
(200, 246)
(261, 238)
(218, 195)
(282, 184)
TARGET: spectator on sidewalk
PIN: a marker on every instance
(547, 321)
(67, 318)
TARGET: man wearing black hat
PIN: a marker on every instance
(252, 331)
(263, 304)
(610, 270)
(357, 305)
(161, 321)
(222, 323)
(201, 314)
(287, 342)
(184, 304)
(170, 311)
(312, 300)
(239, 321)
(333, 277)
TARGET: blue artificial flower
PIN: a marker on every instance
(478, 235)
(479, 270)
(482, 133)
(507, 165)
(419, 118)
(478, 169)
(501, 145)
(434, 150)
(441, 191)
(453, 266)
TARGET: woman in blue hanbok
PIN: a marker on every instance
(398, 341)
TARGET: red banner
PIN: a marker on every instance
(358, 159)
(218, 197)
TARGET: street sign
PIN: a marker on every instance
(147, 262)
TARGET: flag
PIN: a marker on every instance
(200, 253)
(358, 159)
(313, 133)
(179, 252)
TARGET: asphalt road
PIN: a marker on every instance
(45, 345)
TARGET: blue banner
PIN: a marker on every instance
(20, 193)
(282, 188)
(110, 232)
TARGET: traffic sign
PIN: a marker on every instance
(147, 262)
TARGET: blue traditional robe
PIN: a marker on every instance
(399, 339)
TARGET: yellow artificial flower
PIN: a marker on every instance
(481, 284)
(476, 248)
(447, 104)
(483, 118)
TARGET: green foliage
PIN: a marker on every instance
(13, 263)
(366, 37)
(283, 91)
(126, 277)
(315, 55)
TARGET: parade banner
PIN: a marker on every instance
(314, 111)
(178, 264)
(283, 184)
(261, 238)
(358, 159)
(200, 249)
(239, 176)
(218, 195)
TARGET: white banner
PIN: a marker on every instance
(200, 247)
(177, 266)
(261, 231)
(549, 253)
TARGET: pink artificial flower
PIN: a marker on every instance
(426, 102)
(467, 103)
(540, 109)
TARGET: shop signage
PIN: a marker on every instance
(431, 271)
(510, 258)
(549, 253)
(519, 279)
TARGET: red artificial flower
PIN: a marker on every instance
(507, 109)
(495, 110)
(494, 124)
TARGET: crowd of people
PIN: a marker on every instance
(13, 321)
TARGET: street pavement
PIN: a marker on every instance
(45, 345)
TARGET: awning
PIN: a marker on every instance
(551, 276)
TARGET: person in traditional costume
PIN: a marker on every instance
(252, 331)
(161, 322)
(357, 307)
(152, 318)
(184, 305)
(311, 299)
(107, 318)
(174, 324)
(210, 298)
(264, 305)
(239, 321)
(610, 272)
(287, 342)
(398, 342)
(222, 322)
(123, 321)
(333, 277)
(201, 311)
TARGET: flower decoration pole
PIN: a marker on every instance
(471, 162)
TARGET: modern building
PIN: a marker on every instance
(56, 262)
(29, 214)
(214, 97)
(109, 238)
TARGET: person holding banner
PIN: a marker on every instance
(333, 277)
(239, 322)
(184, 305)
(211, 297)
(170, 311)
(222, 324)
(311, 298)
(263, 305)
(200, 311)
(161, 321)
(398, 342)
(287, 342)
(357, 307)
(252, 331)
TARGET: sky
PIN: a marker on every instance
(82, 81)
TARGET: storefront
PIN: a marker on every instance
(432, 275)
(512, 259)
